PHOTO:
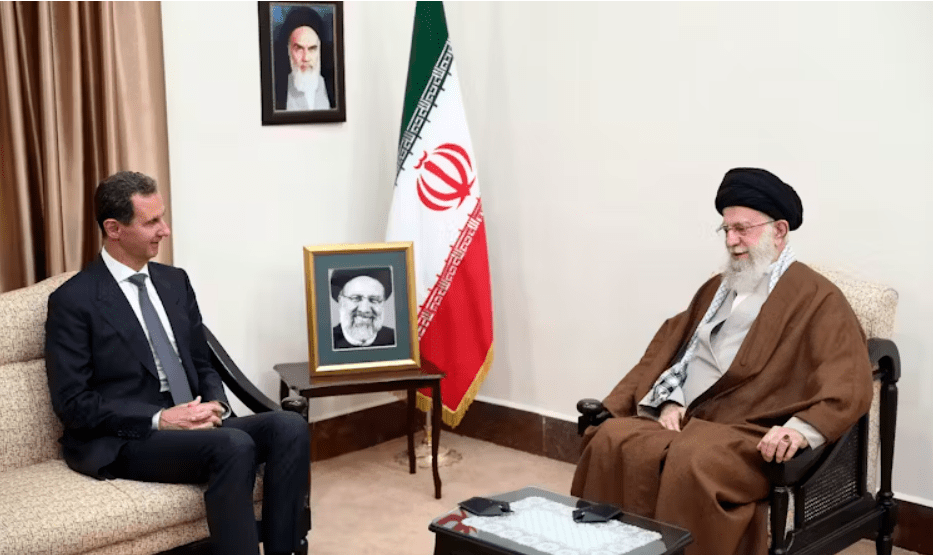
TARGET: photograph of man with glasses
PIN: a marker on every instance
(361, 311)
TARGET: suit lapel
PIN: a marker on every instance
(116, 310)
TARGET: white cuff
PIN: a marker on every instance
(813, 436)
(155, 420)
(647, 411)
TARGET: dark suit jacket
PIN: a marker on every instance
(102, 376)
(385, 336)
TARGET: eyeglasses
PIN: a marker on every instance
(739, 229)
(357, 299)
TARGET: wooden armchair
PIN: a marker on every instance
(825, 499)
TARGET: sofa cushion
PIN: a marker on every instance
(29, 429)
(48, 508)
(22, 320)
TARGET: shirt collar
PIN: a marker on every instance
(120, 271)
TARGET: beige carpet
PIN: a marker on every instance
(365, 502)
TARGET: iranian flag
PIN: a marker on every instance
(437, 206)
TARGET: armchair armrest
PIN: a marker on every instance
(884, 353)
(592, 413)
(244, 389)
(796, 469)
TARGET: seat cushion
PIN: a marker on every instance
(48, 508)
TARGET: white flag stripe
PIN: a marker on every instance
(433, 231)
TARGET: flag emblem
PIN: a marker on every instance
(446, 177)
(438, 206)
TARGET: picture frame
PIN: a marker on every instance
(362, 308)
(293, 35)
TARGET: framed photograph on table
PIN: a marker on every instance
(362, 310)
(301, 62)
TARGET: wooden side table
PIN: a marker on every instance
(295, 376)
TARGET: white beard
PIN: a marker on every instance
(743, 275)
(359, 329)
(307, 81)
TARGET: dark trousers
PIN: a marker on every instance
(226, 459)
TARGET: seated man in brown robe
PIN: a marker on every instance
(767, 359)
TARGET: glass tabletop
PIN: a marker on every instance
(486, 531)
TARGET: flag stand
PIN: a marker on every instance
(445, 456)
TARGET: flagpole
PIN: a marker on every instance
(437, 205)
(423, 456)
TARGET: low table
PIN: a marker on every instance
(295, 376)
(545, 529)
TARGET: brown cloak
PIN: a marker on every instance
(805, 356)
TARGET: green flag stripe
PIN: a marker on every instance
(427, 42)
(428, 45)
(424, 106)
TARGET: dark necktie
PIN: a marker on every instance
(171, 364)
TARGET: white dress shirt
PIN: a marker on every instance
(121, 272)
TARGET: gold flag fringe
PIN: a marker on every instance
(450, 417)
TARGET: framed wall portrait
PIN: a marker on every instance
(301, 62)
(362, 311)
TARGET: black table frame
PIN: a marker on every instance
(295, 376)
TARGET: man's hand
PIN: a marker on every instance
(216, 407)
(194, 415)
(781, 444)
(672, 414)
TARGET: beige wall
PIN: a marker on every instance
(601, 132)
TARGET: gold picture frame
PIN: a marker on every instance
(362, 308)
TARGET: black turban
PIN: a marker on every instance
(301, 17)
(340, 278)
(763, 191)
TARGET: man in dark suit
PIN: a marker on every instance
(131, 380)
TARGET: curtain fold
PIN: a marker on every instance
(82, 95)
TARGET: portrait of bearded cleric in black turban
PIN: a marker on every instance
(301, 48)
(362, 314)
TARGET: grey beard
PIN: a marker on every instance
(360, 332)
(743, 275)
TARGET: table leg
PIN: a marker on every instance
(411, 430)
(436, 434)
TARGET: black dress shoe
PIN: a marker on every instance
(302, 551)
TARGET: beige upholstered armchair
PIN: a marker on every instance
(47, 508)
(826, 499)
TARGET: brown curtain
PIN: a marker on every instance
(82, 95)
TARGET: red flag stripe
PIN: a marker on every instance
(459, 335)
